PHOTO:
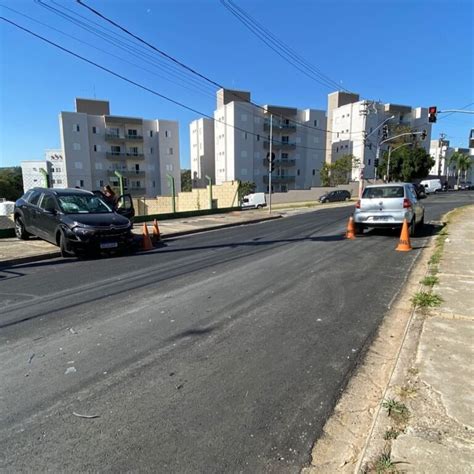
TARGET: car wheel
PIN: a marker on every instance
(65, 252)
(20, 231)
(420, 224)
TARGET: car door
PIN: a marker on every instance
(34, 213)
(417, 207)
(47, 218)
(125, 206)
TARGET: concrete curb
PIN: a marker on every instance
(56, 254)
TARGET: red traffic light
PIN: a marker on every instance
(432, 110)
(432, 114)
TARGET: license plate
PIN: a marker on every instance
(109, 245)
(381, 218)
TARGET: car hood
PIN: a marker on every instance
(95, 220)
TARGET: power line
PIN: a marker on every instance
(278, 46)
(118, 42)
(171, 58)
(141, 86)
(451, 113)
(196, 87)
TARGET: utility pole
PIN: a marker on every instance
(270, 167)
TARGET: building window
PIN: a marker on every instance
(151, 133)
(170, 150)
(78, 165)
(153, 184)
(58, 170)
(285, 139)
(337, 149)
(314, 172)
(94, 129)
(297, 172)
(59, 181)
(76, 146)
(369, 162)
(169, 167)
(80, 183)
(258, 138)
(115, 149)
(76, 128)
(151, 151)
(95, 147)
(243, 154)
(284, 156)
(132, 132)
(133, 151)
(316, 123)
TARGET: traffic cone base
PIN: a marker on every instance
(156, 231)
(146, 242)
(350, 233)
(404, 245)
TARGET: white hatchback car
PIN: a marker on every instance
(387, 205)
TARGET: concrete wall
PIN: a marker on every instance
(313, 194)
(224, 195)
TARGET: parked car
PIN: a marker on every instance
(333, 196)
(254, 201)
(75, 220)
(464, 186)
(387, 205)
(431, 185)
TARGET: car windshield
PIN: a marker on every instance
(383, 192)
(82, 204)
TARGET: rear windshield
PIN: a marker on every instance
(385, 192)
(82, 204)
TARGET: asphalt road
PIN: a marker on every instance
(219, 352)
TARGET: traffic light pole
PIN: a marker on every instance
(270, 167)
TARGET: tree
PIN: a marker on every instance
(186, 183)
(246, 187)
(338, 172)
(463, 164)
(11, 183)
(407, 164)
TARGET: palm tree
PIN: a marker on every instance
(463, 164)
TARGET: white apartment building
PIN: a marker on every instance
(242, 142)
(201, 134)
(441, 152)
(350, 120)
(95, 144)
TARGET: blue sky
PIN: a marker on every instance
(412, 52)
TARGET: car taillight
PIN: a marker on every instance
(406, 203)
(358, 205)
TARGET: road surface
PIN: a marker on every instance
(219, 352)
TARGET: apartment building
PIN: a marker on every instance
(354, 128)
(95, 145)
(201, 135)
(242, 143)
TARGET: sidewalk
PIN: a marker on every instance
(420, 365)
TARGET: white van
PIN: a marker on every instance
(254, 201)
(431, 185)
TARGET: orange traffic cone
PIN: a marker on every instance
(404, 244)
(156, 231)
(146, 243)
(350, 233)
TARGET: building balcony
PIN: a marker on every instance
(113, 137)
(134, 190)
(278, 145)
(115, 155)
(133, 137)
(278, 179)
(279, 126)
(129, 173)
(281, 163)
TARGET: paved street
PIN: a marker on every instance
(219, 352)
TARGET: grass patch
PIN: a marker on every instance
(430, 280)
(384, 464)
(396, 410)
(407, 392)
(391, 433)
(423, 299)
(413, 371)
(435, 258)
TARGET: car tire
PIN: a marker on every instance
(65, 252)
(20, 231)
(420, 224)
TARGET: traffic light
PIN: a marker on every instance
(376, 162)
(384, 132)
(432, 111)
(423, 134)
(271, 162)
